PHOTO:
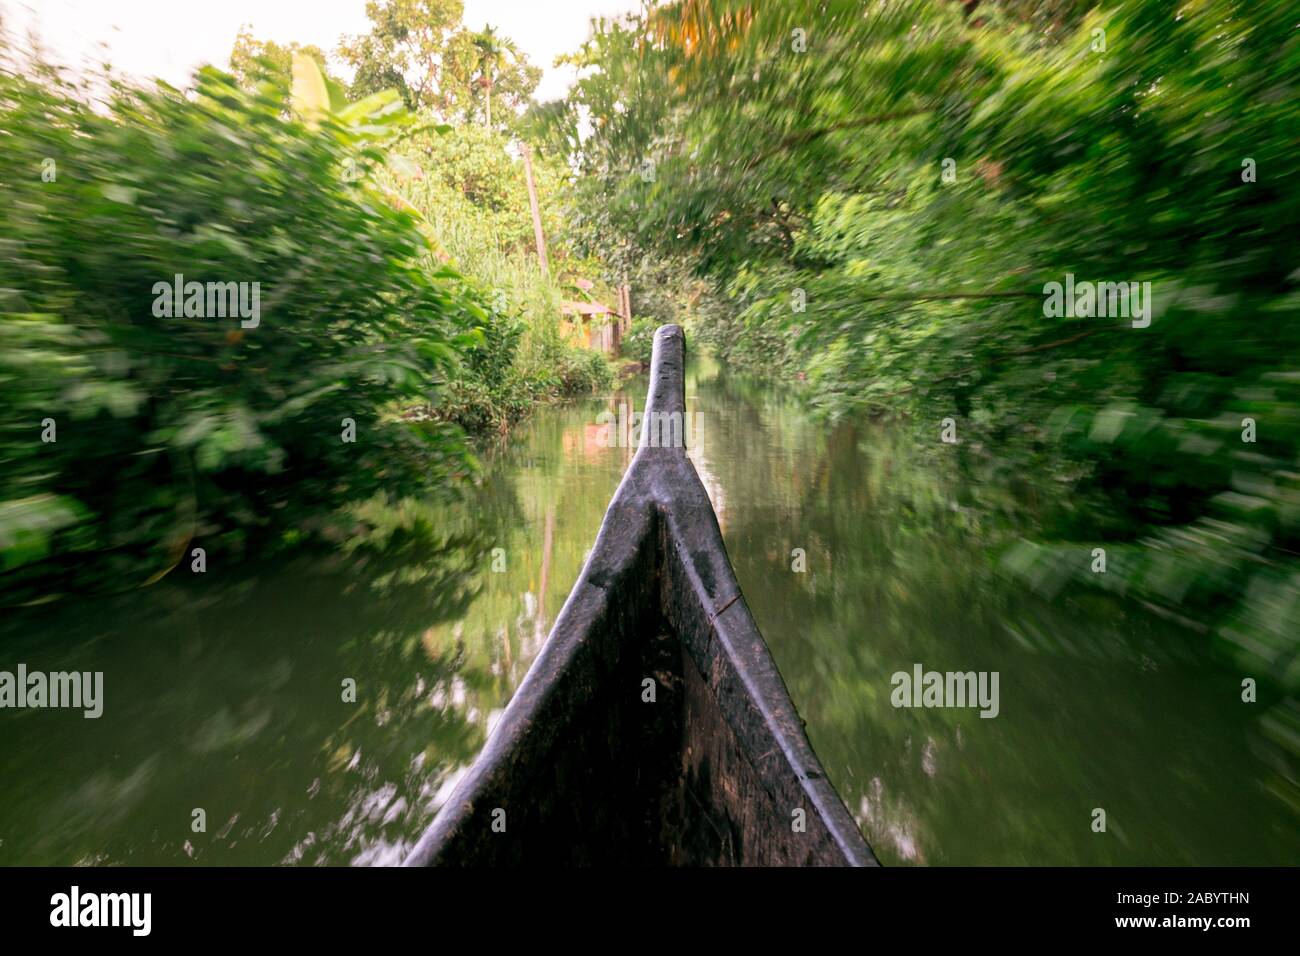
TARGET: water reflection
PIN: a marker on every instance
(1101, 704)
(224, 693)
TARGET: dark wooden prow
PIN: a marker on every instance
(582, 770)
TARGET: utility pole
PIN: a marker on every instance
(532, 201)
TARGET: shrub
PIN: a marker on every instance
(172, 432)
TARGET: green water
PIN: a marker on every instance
(224, 691)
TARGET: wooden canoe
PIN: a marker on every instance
(583, 770)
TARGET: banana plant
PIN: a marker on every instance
(373, 121)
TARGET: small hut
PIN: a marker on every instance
(597, 325)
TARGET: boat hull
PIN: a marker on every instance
(653, 728)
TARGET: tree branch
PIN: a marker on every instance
(1059, 342)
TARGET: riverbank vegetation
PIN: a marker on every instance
(472, 193)
(383, 243)
(878, 199)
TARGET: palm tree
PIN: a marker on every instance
(491, 50)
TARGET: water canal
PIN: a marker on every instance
(224, 694)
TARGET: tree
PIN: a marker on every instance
(252, 60)
(504, 71)
(421, 48)
(490, 50)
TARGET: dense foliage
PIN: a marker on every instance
(392, 245)
(131, 437)
(470, 185)
(464, 174)
(882, 194)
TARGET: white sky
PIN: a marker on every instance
(169, 38)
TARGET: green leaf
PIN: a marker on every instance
(123, 194)
(338, 95)
(370, 107)
(310, 97)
